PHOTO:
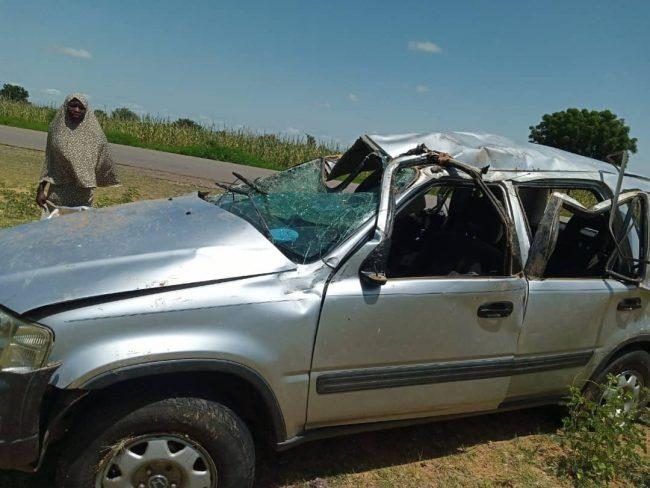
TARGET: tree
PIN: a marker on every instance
(586, 132)
(100, 114)
(14, 92)
(124, 113)
(187, 123)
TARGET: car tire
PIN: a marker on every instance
(633, 368)
(169, 441)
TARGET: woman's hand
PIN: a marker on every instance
(41, 197)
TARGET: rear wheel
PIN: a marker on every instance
(169, 443)
(632, 373)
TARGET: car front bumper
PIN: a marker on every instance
(21, 398)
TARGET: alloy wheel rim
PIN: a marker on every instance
(627, 381)
(157, 461)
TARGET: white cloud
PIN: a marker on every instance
(353, 98)
(75, 53)
(138, 109)
(421, 88)
(425, 47)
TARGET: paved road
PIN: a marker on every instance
(189, 166)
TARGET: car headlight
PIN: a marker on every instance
(23, 345)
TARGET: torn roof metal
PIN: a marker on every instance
(481, 149)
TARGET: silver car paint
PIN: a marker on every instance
(145, 245)
(267, 351)
(268, 318)
(266, 323)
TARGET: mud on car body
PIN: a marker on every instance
(150, 343)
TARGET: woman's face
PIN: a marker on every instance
(76, 110)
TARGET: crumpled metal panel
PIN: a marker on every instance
(480, 149)
(138, 246)
(21, 398)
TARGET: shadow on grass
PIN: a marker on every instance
(381, 449)
(373, 450)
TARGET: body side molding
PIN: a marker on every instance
(396, 376)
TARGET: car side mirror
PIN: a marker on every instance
(373, 278)
(373, 269)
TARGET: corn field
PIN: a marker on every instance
(235, 145)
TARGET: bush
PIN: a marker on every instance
(601, 440)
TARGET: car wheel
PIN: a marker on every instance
(632, 372)
(169, 443)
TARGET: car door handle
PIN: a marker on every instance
(495, 310)
(628, 304)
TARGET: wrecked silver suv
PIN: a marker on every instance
(147, 344)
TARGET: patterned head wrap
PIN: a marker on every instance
(77, 152)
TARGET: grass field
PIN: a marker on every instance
(234, 145)
(516, 449)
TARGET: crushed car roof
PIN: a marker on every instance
(481, 149)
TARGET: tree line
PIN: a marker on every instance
(592, 133)
(17, 93)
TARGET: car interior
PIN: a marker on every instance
(452, 230)
(584, 244)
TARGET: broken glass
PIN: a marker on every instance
(306, 177)
(300, 214)
(303, 225)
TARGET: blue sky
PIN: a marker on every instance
(339, 68)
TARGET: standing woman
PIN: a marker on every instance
(76, 158)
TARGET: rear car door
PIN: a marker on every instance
(574, 296)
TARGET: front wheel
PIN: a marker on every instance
(169, 443)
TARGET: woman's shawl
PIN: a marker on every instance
(77, 152)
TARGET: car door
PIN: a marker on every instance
(573, 303)
(417, 346)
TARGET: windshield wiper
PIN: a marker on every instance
(230, 188)
(250, 184)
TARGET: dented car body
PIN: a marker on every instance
(383, 286)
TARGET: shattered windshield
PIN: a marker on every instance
(303, 214)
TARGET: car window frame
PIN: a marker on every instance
(605, 193)
(602, 190)
(514, 265)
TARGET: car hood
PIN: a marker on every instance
(127, 248)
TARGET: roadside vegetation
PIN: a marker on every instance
(593, 446)
(20, 170)
(602, 441)
(183, 136)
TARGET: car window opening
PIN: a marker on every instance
(584, 247)
(452, 230)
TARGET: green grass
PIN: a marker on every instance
(235, 145)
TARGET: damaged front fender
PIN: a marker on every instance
(21, 398)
